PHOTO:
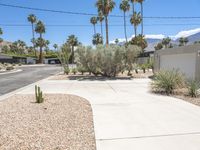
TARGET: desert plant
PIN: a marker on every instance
(74, 71)
(66, 70)
(81, 69)
(144, 67)
(8, 68)
(193, 88)
(38, 95)
(167, 81)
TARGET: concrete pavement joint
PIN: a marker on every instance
(151, 136)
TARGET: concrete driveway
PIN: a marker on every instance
(128, 117)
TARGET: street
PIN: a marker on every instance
(28, 75)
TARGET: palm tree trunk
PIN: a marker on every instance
(72, 54)
(125, 27)
(101, 29)
(41, 56)
(142, 25)
(133, 5)
(107, 38)
(33, 34)
(135, 28)
(94, 29)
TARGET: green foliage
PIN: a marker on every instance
(8, 68)
(193, 88)
(106, 61)
(168, 81)
(144, 67)
(38, 95)
(74, 71)
(66, 70)
(81, 69)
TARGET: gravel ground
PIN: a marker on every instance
(61, 122)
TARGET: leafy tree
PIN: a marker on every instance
(166, 42)
(136, 20)
(33, 19)
(72, 41)
(97, 39)
(40, 29)
(158, 46)
(105, 6)
(5, 49)
(125, 6)
(93, 21)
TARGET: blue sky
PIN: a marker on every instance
(59, 34)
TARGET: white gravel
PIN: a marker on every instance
(61, 122)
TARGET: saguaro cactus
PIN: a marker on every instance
(38, 95)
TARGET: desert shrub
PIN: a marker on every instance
(105, 61)
(74, 71)
(38, 95)
(144, 67)
(81, 69)
(167, 81)
(193, 88)
(8, 68)
(66, 70)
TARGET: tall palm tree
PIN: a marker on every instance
(125, 6)
(72, 41)
(136, 20)
(183, 41)
(142, 14)
(93, 21)
(101, 19)
(105, 6)
(32, 19)
(166, 42)
(40, 29)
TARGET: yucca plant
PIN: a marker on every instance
(168, 81)
(38, 95)
(193, 88)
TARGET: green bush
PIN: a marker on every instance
(193, 88)
(66, 70)
(168, 81)
(106, 61)
(81, 69)
(74, 71)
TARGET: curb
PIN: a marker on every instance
(14, 71)
(5, 96)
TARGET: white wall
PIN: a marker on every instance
(186, 63)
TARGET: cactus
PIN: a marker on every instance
(38, 95)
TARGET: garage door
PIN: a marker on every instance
(186, 63)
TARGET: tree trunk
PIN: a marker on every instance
(142, 25)
(107, 38)
(94, 29)
(41, 55)
(33, 34)
(72, 54)
(133, 7)
(125, 27)
(101, 29)
(135, 28)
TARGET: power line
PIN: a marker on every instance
(84, 25)
(91, 14)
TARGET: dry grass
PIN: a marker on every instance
(61, 122)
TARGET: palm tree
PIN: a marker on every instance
(105, 6)
(32, 19)
(125, 6)
(72, 41)
(166, 42)
(139, 41)
(142, 25)
(55, 46)
(93, 21)
(116, 41)
(101, 19)
(133, 5)
(136, 20)
(40, 29)
(158, 46)
(97, 39)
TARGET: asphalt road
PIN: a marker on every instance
(30, 74)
